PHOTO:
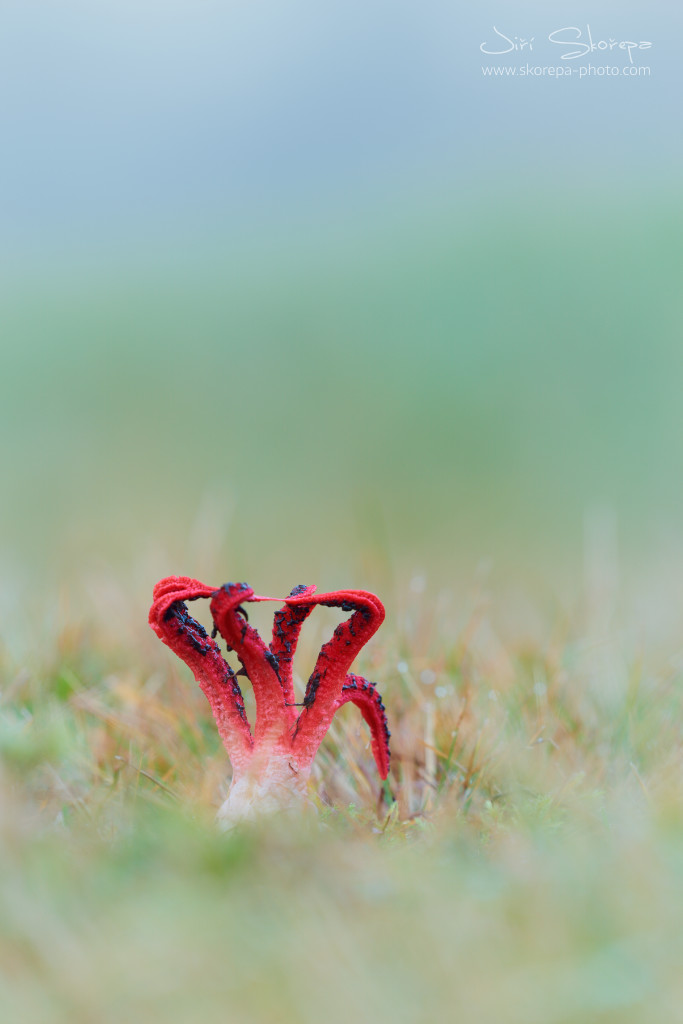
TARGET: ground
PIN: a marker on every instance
(524, 862)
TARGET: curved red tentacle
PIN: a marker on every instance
(273, 716)
(336, 656)
(287, 623)
(365, 696)
(187, 638)
(269, 668)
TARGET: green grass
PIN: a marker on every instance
(525, 864)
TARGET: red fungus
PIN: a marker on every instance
(271, 768)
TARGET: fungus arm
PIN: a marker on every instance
(364, 695)
(260, 663)
(287, 625)
(187, 638)
(334, 661)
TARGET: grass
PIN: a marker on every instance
(523, 863)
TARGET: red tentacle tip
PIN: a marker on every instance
(272, 768)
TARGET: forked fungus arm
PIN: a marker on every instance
(188, 639)
(272, 767)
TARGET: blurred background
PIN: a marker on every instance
(297, 288)
(294, 293)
